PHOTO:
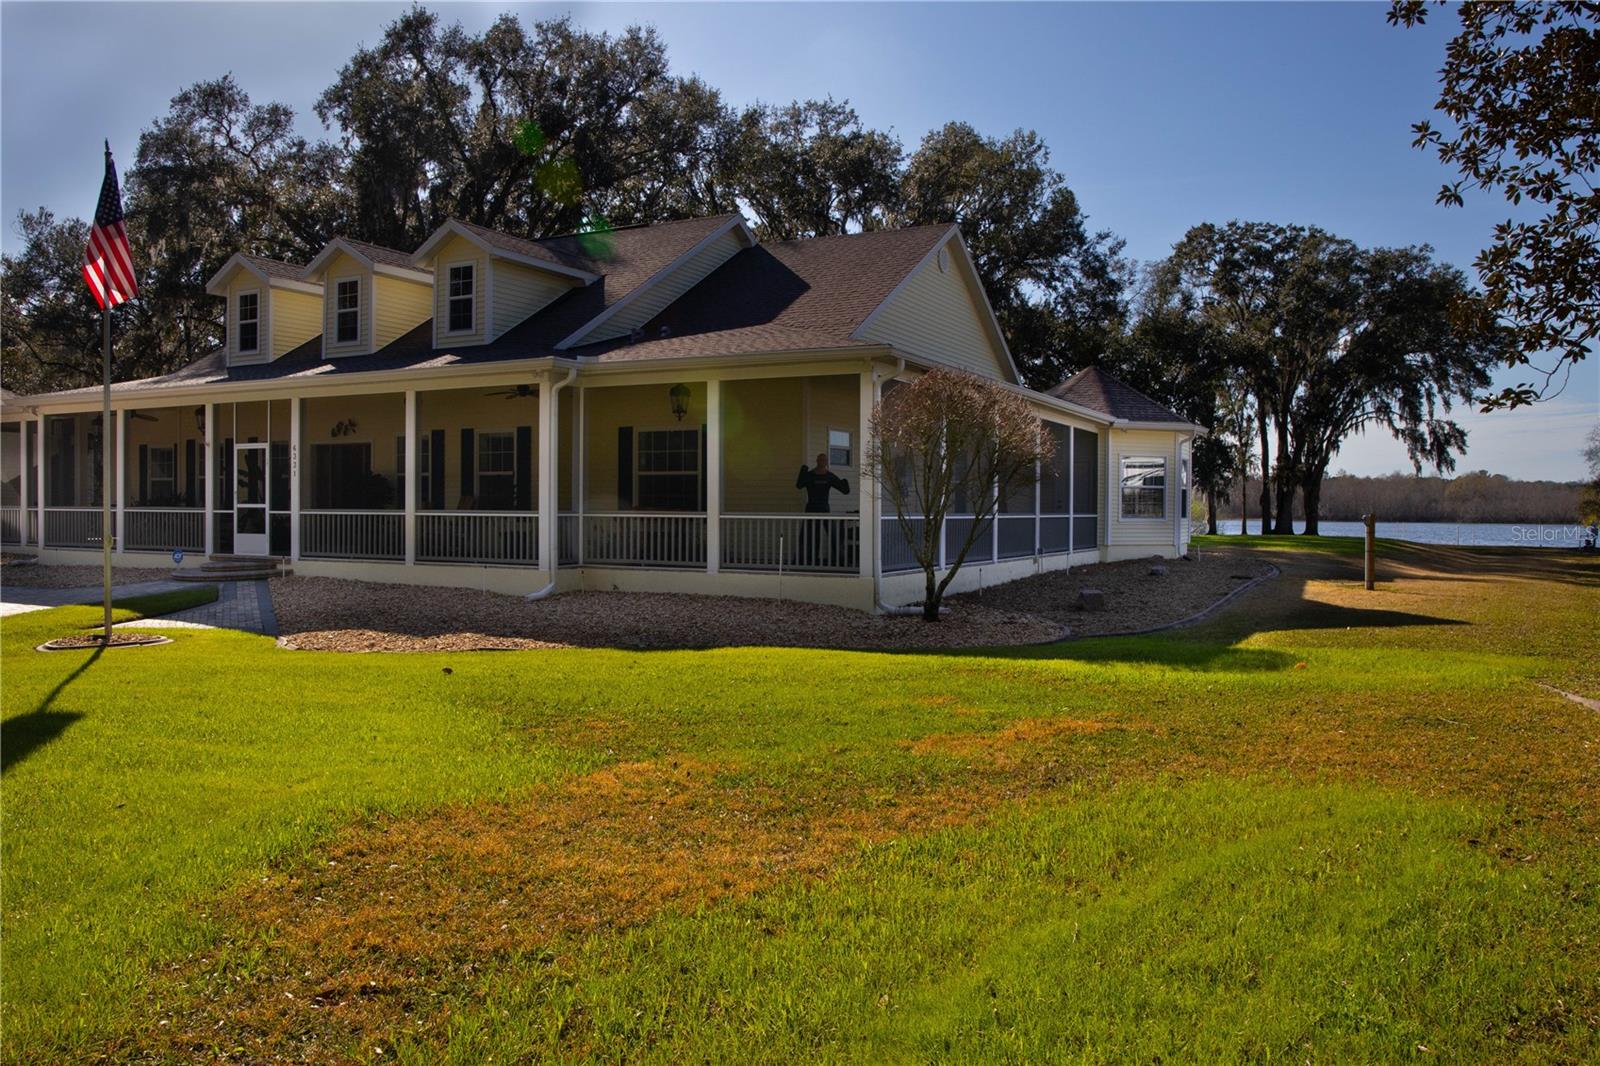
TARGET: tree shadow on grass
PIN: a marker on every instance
(25, 734)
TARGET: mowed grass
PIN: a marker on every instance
(1328, 825)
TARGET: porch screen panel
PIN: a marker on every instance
(144, 475)
(1056, 480)
(469, 467)
(191, 473)
(1085, 489)
(624, 468)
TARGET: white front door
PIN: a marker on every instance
(250, 499)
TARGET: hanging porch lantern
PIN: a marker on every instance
(679, 394)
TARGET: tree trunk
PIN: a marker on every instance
(1244, 503)
(1266, 477)
(1311, 492)
(1283, 482)
(1211, 513)
(930, 598)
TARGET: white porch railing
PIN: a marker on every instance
(632, 538)
(73, 527)
(568, 531)
(477, 537)
(164, 528)
(352, 534)
(11, 521)
(815, 542)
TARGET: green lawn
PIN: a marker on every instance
(1329, 825)
(155, 604)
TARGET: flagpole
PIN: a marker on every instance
(106, 480)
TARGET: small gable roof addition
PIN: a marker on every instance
(499, 245)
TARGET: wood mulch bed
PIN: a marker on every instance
(1135, 600)
(338, 615)
(21, 571)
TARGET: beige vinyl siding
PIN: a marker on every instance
(343, 268)
(401, 306)
(1138, 443)
(455, 252)
(243, 281)
(520, 291)
(940, 315)
(763, 444)
(664, 289)
(296, 318)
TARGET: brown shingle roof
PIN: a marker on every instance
(1097, 390)
(379, 254)
(275, 268)
(790, 296)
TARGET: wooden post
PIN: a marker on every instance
(1371, 522)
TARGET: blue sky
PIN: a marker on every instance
(1160, 115)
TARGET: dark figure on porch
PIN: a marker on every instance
(818, 483)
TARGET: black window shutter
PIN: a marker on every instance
(524, 494)
(144, 474)
(624, 468)
(702, 467)
(225, 482)
(191, 471)
(436, 470)
(468, 457)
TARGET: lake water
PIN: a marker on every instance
(1486, 534)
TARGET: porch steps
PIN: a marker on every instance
(233, 568)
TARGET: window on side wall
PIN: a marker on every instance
(248, 327)
(841, 448)
(347, 311)
(163, 475)
(668, 470)
(1144, 487)
(462, 282)
(497, 471)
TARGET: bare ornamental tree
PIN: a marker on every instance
(948, 440)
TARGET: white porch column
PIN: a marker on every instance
(297, 408)
(120, 478)
(44, 465)
(580, 477)
(866, 476)
(27, 458)
(549, 450)
(713, 476)
(412, 450)
(211, 469)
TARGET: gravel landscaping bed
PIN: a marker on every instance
(337, 615)
(1135, 600)
(23, 573)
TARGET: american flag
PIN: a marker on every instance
(107, 259)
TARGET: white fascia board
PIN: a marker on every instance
(573, 339)
(421, 277)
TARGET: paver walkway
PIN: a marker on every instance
(242, 605)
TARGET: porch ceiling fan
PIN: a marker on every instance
(518, 392)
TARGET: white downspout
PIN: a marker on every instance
(547, 492)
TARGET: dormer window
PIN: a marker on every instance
(347, 311)
(249, 322)
(461, 310)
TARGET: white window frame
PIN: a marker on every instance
(171, 480)
(849, 446)
(639, 473)
(340, 312)
(1122, 487)
(477, 460)
(450, 299)
(239, 321)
